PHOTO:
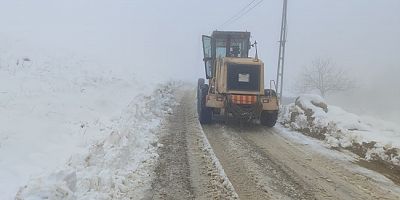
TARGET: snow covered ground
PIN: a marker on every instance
(371, 138)
(52, 107)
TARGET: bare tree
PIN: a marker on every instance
(323, 76)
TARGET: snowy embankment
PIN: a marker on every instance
(371, 139)
(55, 107)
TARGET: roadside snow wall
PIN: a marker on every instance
(116, 167)
(371, 139)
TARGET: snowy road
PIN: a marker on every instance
(260, 163)
(187, 168)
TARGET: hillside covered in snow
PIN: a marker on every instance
(60, 115)
(371, 139)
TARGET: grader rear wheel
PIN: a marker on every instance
(205, 113)
(268, 118)
(200, 84)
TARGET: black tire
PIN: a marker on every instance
(205, 113)
(200, 84)
(268, 118)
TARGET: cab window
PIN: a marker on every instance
(220, 47)
(207, 50)
(236, 48)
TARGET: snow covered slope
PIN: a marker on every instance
(52, 107)
(371, 138)
(117, 166)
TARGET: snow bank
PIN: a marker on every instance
(370, 138)
(51, 108)
(58, 105)
(116, 167)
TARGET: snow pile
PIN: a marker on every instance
(50, 108)
(54, 105)
(369, 138)
(116, 167)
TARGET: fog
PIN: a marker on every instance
(161, 39)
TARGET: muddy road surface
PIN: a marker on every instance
(220, 161)
(187, 167)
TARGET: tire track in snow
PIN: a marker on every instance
(187, 167)
(264, 165)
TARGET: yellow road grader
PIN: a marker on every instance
(235, 82)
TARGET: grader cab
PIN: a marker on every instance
(235, 81)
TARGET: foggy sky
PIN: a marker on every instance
(162, 38)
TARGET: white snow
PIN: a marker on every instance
(52, 107)
(347, 160)
(316, 146)
(226, 182)
(341, 128)
(118, 166)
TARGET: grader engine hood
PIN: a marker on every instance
(243, 77)
(240, 76)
